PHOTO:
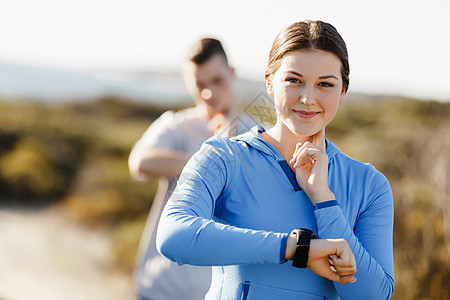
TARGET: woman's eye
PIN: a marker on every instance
(326, 84)
(293, 80)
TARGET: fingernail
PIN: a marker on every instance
(333, 269)
(353, 280)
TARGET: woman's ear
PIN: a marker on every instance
(269, 85)
(341, 98)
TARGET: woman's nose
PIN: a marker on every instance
(308, 96)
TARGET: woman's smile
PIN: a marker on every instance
(306, 114)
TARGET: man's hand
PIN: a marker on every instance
(223, 124)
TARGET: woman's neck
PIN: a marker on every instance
(284, 140)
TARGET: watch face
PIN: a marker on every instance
(304, 236)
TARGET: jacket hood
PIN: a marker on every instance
(254, 139)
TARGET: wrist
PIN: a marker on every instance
(303, 240)
(323, 197)
(291, 246)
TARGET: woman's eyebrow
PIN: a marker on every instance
(293, 72)
(328, 76)
(320, 77)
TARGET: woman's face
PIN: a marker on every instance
(307, 90)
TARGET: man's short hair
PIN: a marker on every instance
(204, 49)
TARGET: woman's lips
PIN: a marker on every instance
(306, 114)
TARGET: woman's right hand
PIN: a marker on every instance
(332, 259)
(310, 162)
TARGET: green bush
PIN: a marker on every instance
(26, 171)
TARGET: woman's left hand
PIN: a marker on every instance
(311, 168)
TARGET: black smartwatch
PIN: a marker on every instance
(304, 237)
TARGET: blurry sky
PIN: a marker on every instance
(395, 47)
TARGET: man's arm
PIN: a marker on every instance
(156, 162)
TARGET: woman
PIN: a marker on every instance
(248, 204)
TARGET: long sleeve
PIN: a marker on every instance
(370, 239)
(187, 232)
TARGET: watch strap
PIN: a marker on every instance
(304, 237)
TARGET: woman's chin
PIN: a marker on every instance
(304, 133)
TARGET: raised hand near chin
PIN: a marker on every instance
(310, 163)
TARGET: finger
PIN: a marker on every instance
(340, 279)
(347, 279)
(330, 261)
(297, 149)
(306, 145)
(345, 260)
(299, 159)
(294, 156)
(344, 263)
(319, 139)
(333, 257)
(306, 155)
(343, 271)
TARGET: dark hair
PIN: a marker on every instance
(204, 49)
(309, 35)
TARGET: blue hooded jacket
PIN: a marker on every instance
(236, 202)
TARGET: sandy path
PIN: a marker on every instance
(44, 256)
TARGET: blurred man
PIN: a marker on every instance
(163, 151)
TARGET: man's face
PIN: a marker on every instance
(210, 85)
